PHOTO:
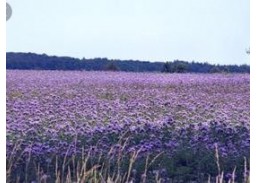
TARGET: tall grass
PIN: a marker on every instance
(107, 168)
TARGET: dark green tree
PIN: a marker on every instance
(179, 67)
(166, 67)
(215, 69)
(111, 66)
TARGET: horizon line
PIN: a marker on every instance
(135, 60)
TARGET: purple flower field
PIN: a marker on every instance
(178, 117)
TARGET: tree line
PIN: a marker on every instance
(32, 61)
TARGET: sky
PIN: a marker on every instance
(214, 31)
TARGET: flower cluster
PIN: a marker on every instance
(63, 113)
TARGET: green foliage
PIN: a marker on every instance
(112, 67)
(175, 67)
(31, 61)
(166, 67)
(215, 69)
(186, 165)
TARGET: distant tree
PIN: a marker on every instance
(166, 67)
(179, 67)
(111, 66)
(225, 69)
(30, 61)
(215, 69)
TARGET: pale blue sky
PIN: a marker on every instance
(217, 31)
